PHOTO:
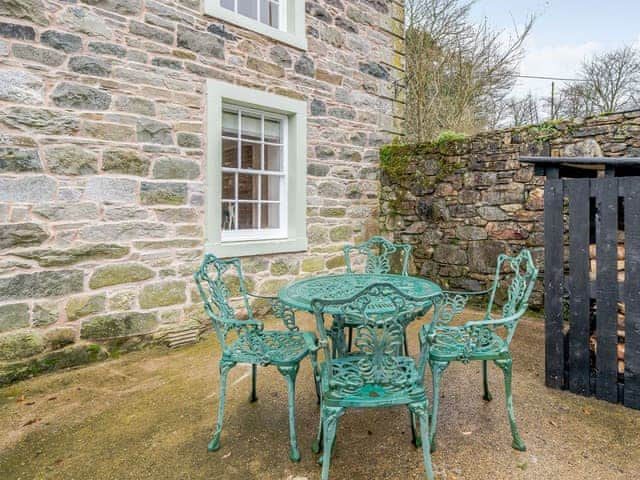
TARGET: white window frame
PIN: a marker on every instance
(292, 21)
(293, 234)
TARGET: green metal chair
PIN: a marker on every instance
(378, 253)
(374, 374)
(246, 341)
(486, 339)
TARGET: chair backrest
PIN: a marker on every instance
(218, 281)
(380, 309)
(522, 274)
(379, 252)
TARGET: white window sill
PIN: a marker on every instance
(297, 39)
(258, 247)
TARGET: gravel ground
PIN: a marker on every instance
(150, 415)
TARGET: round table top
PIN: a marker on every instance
(300, 293)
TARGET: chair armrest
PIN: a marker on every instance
(281, 310)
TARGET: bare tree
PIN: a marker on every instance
(521, 111)
(457, 72)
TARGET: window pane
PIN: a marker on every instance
(270, 187)
(230, 124)
(251, 127)
(248, 8)
(270, 215)
(248, 186)
(251, 155)
(272, 158)
(229, 186)
(272, 131)
(228, 216)
(269, 13)
(247, 216)
(229, 153)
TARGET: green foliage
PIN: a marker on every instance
(448, 136)
(545, 131)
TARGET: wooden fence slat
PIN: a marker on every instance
(578, 285)
(553, 273)
(607, 292)
(632, 292)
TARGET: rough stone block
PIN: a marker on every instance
(119, 273)
(50, 283)
(19, 86)
(21, 344)
(22, 235)
(45, 314)
(73, 95)
(66, 212)
(60, 337)
(90, 66)
(124, 7)
(152, 131)
(19, 160)
(104, 48)
(71, 160)
(152, 33)
(111, 190)
(125, 161)
(152, 193)
(40, 120)
(79, 307)
(163, 294)
(66, 42)
(114, 325)
(47, 57)
(111, 232)
(176, 168)
(31, 10)
(14, 316)
(200, 42)
(138, 105)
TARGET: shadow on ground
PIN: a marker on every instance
(150, 415)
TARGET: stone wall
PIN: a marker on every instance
(102, 178)
(462, 202)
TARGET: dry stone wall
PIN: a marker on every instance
(102, 164)
(461, 203)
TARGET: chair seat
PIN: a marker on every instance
(399, 383)
(451, 343)
(271, 347)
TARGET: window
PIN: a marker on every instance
(256, 187)
(282, 20)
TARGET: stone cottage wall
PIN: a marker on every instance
(102, 165)
(460, 203)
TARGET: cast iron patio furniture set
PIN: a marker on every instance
(365, 357)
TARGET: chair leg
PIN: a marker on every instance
(316, 379)
(290, 373)
(317, 444)
(254, 376)
(350, 339)
(330, 416)
(487, 394)
(406, 341)
(420, 410)
(505, 365)
(415, 439)
(437, 369)
(214, 444)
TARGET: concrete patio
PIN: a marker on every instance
(150, 415)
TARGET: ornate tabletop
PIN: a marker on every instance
(300, 293)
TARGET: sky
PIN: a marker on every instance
(565, 32)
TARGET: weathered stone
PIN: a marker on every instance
(45, 314)
(374, 69)
(71, 160)
(125, 7)
(346, 25)
(200, 42)
(112, 190)
(305, 66)
(67, 212)
(79, 307)
(53, 257)
(60, 337)
(318, 107)
(83, 20)
(19, 160)
(163, 294)
(483, 255)
(333, 212)
(119, 273)
(66, 42)
(122, 300)
(587, 148)
(467, 232)
(318, 169)
(42, 120)
(90, 66)
(102, 327)
(179, 243)
(175, 168)
(128, 162)
(111, 232)
(343, 113)
(163, 193)
(177, 215)
(118, 214)
(450, 254)
(492, 213)
(271, 286)
(317, 234)
(31, 189)
(47, 57)
(312, 264)
(189, 140)
(317, 11)
(152, 33)
(22, 344)
(152, 131)
(21, 235)
(111, 132)
(166, 63)
(221, 31)
(283, 266)
(32, 10)
(102, 48)
(267, 68)
(74, 95)
(19, 32)
(41, 284)
(340, 233)
(324, 152)
(14, 316)
(18, 86)
(139, 105)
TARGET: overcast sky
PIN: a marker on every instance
(565, 33)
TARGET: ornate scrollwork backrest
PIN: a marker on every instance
(522, 274)
(381, 309)
(378, 252)
(215, 280)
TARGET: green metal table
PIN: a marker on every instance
(300, 293)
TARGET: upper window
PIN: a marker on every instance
(256, 173)
(282, 20)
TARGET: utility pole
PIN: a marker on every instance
(553, 91)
